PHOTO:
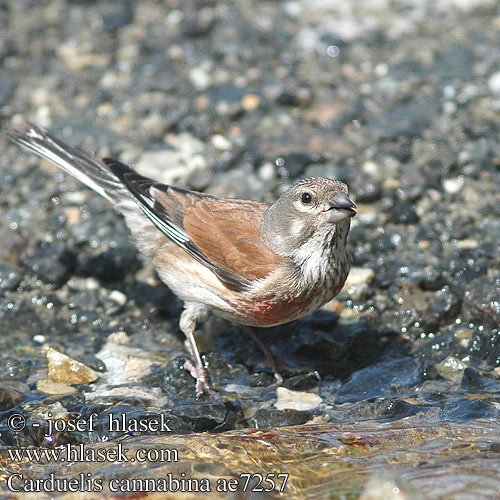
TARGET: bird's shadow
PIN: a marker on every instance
(320, 342)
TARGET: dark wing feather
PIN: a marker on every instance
(228, 244)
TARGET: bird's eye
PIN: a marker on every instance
(306, 198)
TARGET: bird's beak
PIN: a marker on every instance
(340, 208)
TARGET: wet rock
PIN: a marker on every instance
(115, 15)
(268, 418)
(14, 369)
(474, 381)
(404, 212)
(212, 416)
(452, 369)
(221, 371)
(21, 313)
(462, 410)
(367, 189)
(444, 306)
(53, 262)
(7, 87)
(111, 265)
(177, 382)
(295, 400)
(64, 370)
(481, 303)
(48, 386)
(295, 163)
(410, 119)
(9, 398)
(484, 348)
(198, 25)
(10, 277)
(385, 378)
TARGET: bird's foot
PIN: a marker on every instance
(202, 384)
(279, 367)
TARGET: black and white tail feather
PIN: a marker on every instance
(79, 165)
(128, 191)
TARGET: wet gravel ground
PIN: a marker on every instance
(400, 100)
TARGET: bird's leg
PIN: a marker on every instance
(276, 364)
(187, 324)
(273, 361)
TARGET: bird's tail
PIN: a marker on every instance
(85, 169)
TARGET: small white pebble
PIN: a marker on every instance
(39, 338)
(120, 338)
(220, 142)
(118, 297)
(358, 276)
(91, 284)
(494, 83)
(453, 185)
(296, 400)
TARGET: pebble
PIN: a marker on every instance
(452, 369)
(48, 386)
(118, 297)
(359, 276)
(10, 277)
(220, 142)
(494, 83)
(482, 301)
(64, 370)
(453, 185)
(296, 400)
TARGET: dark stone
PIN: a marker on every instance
(10, 277)
(9, 398)
(195, 27)
(465, 409)
(158, 298)
(288, 98)
(27, 437)
(295, 163)
(474, 381)
(408, 119)
(481, 303)
(428, 370)
(382, 379)
(484, 348)
(177, 382)
(429, 278)
(20, 313)
(465, 268)
(221, 371)
(268, 418)
(53, 262)
(403, 212)
(7, 87)
(92, 362)
(304, 381)
(14, 369)
(437, 348)
(213, 416)
(443, 307)
(367, 189)
(116, 15)
(392, 409)
(111, 265)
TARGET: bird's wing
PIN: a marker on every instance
(225, 237)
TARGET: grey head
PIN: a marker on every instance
(312, 209)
